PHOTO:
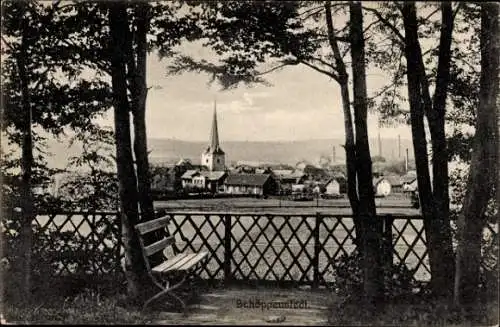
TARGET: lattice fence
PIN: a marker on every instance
(74, 243)
(284, 248)
(295, 248)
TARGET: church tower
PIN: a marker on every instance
(213, 157)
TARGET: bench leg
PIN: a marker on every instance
(165, 291)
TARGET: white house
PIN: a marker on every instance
(396, 183)
(203, 180)
(250, 184)
(187, 178)
(409, 181)
(332, 187)
(410, 186)
(199, 181)
(298, 188)
(381, 186)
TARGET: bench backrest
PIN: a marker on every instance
(159, 224)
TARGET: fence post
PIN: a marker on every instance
(227, 249)
(315, 262)
(387, 241)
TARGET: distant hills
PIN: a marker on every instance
(286, 152)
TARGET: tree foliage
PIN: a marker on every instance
(247, 35)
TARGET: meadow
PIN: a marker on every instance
(394, 204)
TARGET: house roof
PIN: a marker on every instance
(394, 180)
(247, 179)
(248, 163)
(213, 175)
(377, 180)
(337, 174)
(183, 162)
(189, 173)
(408, 178)
(332, 180)
(282, 172)
(293, 175)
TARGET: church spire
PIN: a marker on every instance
(213, 157)
(214, 135)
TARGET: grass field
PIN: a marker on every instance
(395, 205)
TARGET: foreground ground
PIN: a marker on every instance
(255, 307)
(226, 306)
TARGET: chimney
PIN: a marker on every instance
(406, 161)
(399, 146)
(334, 158)
(379, 144)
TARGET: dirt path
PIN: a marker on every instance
(255, 307)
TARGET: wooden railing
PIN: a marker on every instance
(290, 248)
(298, 248)
(75, 242)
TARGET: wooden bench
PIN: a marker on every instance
(181, 266)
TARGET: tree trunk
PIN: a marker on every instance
(436, 218)
(372, 227)
(28, 214)
(435, 109)
(134, 263)
(350, 147)
(139, 111)
(483, 168)
(350, 151)
(137, 68)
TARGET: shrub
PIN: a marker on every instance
(88, 307)
(348, 278)
(61, 260)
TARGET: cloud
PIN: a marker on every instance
(247, 103)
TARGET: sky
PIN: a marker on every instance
(301, 104)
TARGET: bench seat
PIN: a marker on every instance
(185, 265)
(182, 261)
